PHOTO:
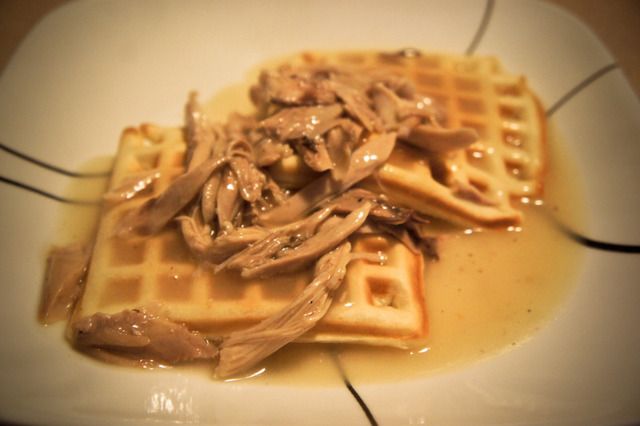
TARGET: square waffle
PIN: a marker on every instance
(377, 303)
(507, 161)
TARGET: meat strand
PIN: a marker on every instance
(141, 335)
(214, 251)
(290, 87)
(131, 187)
(363, 162)
(200, 134)
(228, 200)
(434, 139)
(357, 106)
(250, 179)
(66, 269)
(244, 349)
(310, 249)
(315, 154)
(301, 122)
(382, 211)
(156, 212)
(276, 241)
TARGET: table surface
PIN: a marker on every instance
(617, 23)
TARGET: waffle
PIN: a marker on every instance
(377, 304)
(506, 162)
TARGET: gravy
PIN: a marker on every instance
(489, 292)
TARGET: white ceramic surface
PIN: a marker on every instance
(90, 69)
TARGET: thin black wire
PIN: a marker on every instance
(47, 194)
(363, 405)
(581, 239)
(588, 241)
(51, 167)
(482, 28)
(353, 391)
(601, 245)
(580, 87)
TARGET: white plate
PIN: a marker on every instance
(90, 69)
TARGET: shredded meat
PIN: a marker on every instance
(66, 269)
(131, 187)
(357, 106)
(277, 240)
(214, 251)
(228, 201)
(294, 256)
(141, 334)
(200, 135)
(301, 122)
(209, 197)
(382, 211)
(156, 212)
(250, 179)
(269, 151)
(243, 349)
(340, 125)
(341, 141)
(364, 161)
(315, 154)
(435, 139)
(292, 87)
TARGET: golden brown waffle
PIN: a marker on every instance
(378, 304)
(475, 92)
